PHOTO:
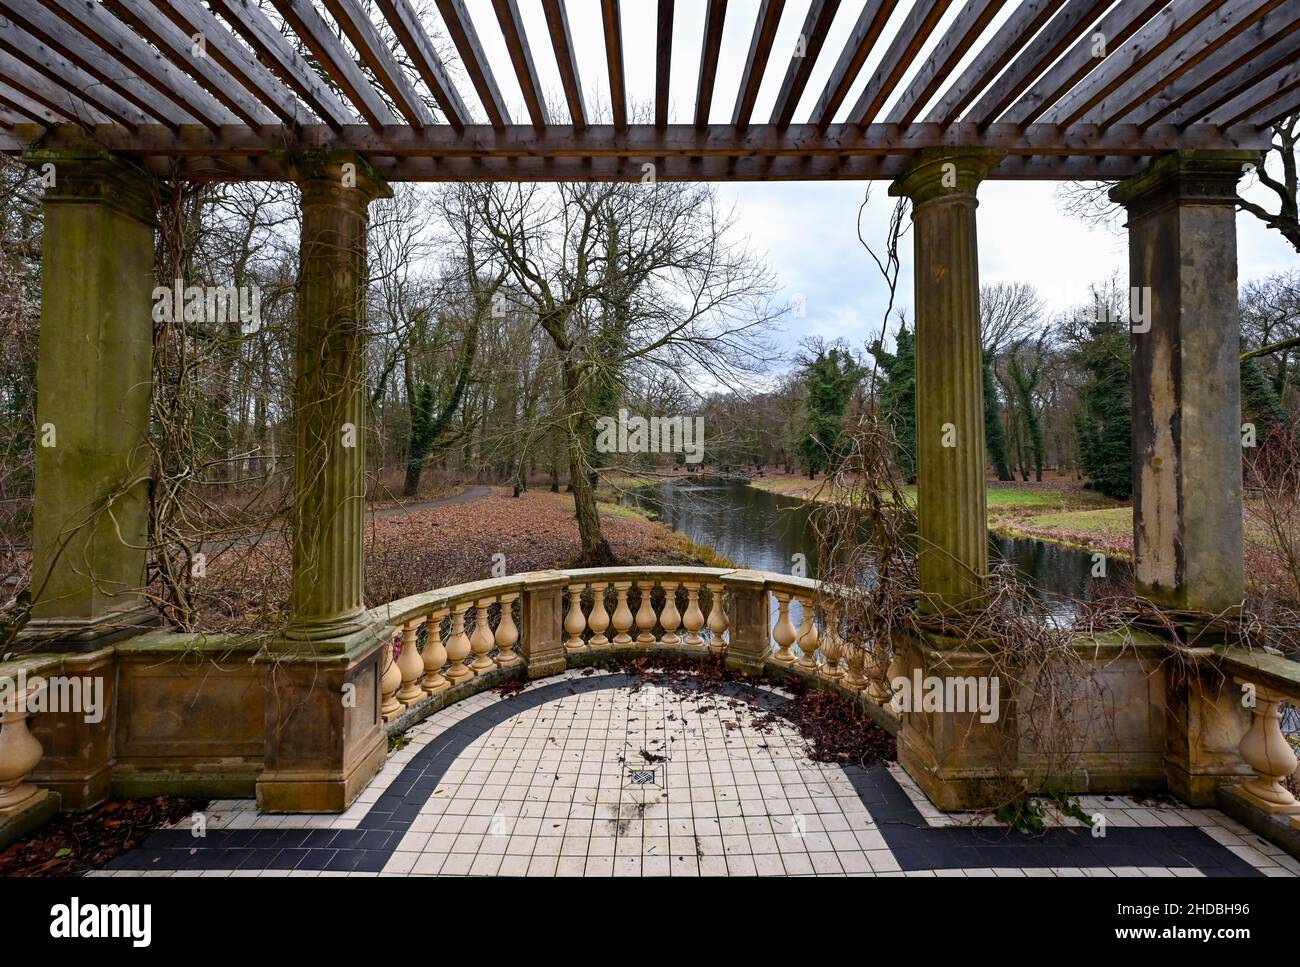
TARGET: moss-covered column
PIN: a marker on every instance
(90, 520)
(1187, 528)
(951, 527)
(326, 605)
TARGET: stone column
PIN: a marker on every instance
(90, 520)
(749, 642)
(327, 610)
(952, 532)
(324, 730)
(1187, 530)
(542, 636)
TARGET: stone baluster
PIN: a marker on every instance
(622, 615)
(855, 661)
(670, 618)
(645, 615)
(409, 663)
(482, 640)
(717, 619)
(20, 753)
(693, 620)
(783, 632)
(389, 682)
(877, 673)
(574, 622)
(832, 648)
(435, 654)
(507, 632)
(807, 662)
(598, 620)
(458, 646)
(1268, 753)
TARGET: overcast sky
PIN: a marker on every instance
(809, 230)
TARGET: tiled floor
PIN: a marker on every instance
(591, 775)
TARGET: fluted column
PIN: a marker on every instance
(326, 606)
(951, 529)
(1186, 380)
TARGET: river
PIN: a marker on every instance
(764, 531)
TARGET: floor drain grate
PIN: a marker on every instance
(642, 776)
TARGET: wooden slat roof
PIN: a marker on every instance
(1068, 89)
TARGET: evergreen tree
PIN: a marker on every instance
(1104, 427)
(831, 375)
(898, 397)
(995, 437)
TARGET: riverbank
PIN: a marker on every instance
(407, 553)
(1061, 514)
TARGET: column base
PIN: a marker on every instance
(85, 634)
(324, 732)
(959, 761)
(19, 819)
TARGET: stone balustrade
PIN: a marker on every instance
(1267, 683)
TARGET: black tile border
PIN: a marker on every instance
(915, 844)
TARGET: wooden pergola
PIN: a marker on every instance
(1068, 89)
(1172, 98)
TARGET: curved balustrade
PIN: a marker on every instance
(451, 636)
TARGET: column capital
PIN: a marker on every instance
(325, 176)
(1185, 177)
(939, 172)
(85, 173)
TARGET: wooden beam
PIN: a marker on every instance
(1015, 32)
(113, 37)
(415, 41)
(1230, 69)
(557, 22)
(1260, 100)
(247, 19)
(67, 75)
(521, 55)
(66, 45)
(677, 140)
(871, 21)
(305, 20)
(1043, 50)
(714, 20)
(179, 48)
(374, 51)
(1199, 47)
(663, 61)
(909, 40)
(629, 169)
(760, 49)
(1277, 58)
(1122, 71)
(20, 105)
(191, 19)
(463, 35)
(1108, 36)
(50, 94)
(807, 46)
(612, 21)
(943, 60)
(1282, 107)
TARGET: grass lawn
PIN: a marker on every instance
(1020, 499)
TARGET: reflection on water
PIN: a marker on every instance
(764, 531)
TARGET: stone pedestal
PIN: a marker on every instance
(90, 519)
(1187, 491)
(951, 529)
(958, 760)
(1204, 722)
(542, 635)
(324, 733)
(749, 637)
